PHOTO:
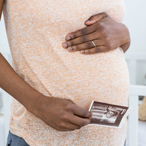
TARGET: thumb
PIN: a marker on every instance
(95, 18)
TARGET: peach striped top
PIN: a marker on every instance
(36, 30)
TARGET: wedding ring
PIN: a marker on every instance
(93, 43)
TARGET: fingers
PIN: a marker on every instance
(68, 126)
(80, 32)
(74, 120)
(81, 40)
(87, 45)
(95, 18)
(81, 112)
(95, 50)
(80, 121)
(73, 124)
(86, 30)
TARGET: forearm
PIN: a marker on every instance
(15, 86)
(1, 7)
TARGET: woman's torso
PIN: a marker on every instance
(36, 30)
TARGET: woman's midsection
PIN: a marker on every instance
(82, 78)
(51, 69)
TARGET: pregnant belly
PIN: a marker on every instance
(82, 78)
(101, 77)
(51, 69)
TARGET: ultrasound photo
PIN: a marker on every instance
(108, 114)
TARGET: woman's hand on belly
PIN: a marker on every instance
(61, 114)
(106, 33)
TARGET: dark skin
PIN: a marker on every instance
(106, 33)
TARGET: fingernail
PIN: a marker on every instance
(82, 51)
(68, 38)
(90, 114)
(65, 45)
(70, 48)
(88, 20)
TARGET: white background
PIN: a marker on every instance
(135, 19)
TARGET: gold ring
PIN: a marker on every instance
(93, 43)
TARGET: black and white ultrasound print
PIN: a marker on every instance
(108, 115)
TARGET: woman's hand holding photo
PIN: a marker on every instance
(61, 114)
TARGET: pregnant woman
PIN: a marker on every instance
(61, 62)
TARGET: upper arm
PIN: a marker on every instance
(1, 7)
